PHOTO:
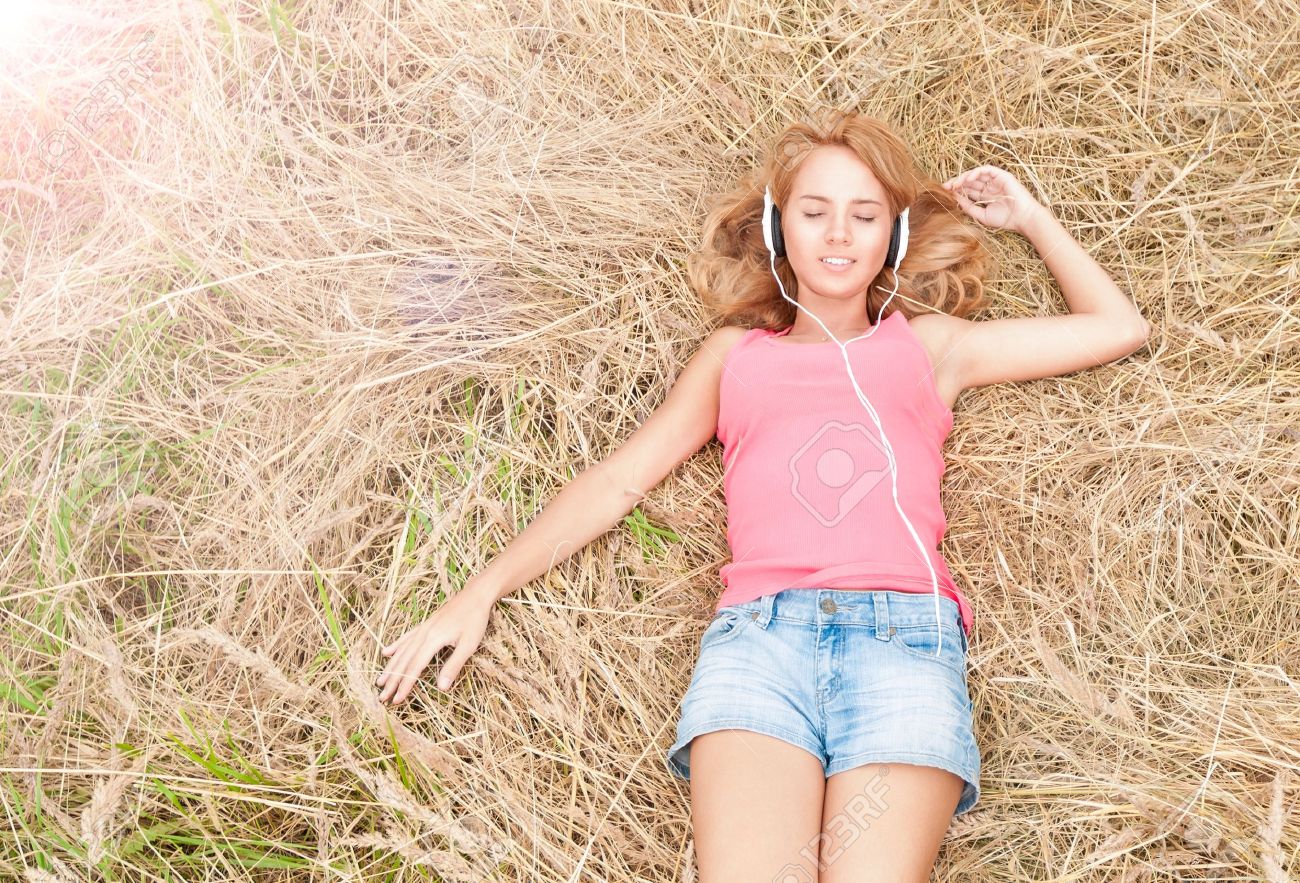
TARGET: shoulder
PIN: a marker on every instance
(710, 356)
(938, 333)
(721, 341)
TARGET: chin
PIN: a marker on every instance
(841, 287)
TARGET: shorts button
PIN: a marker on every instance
(753, 615)
(828, 606)
(892, 630)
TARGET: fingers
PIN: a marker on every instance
(389, 678)
(447, 676)
(406, 685)
(970, 208)
(386, 673)
(400, 676)
(401, 681)
(403, 671)
(388, 651)
(395, 648)
(414, 651)
(964, 184)
(396, 680)
(975, 179)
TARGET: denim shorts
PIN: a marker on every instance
(849, 675)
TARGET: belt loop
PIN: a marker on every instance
(763, 615)
(880, 610)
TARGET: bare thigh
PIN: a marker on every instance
(886, 822)
(756, 807)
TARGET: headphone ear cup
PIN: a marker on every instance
(904, 228)
(778, 241)
(892, 257)
(898, 240)
(771, 225)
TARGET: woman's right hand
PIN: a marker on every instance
(460, 622)
(994, 197)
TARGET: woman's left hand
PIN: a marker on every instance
(994, 197)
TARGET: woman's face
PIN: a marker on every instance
(836, 209)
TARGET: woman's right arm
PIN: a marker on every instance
(587, 506)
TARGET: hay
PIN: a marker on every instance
(305, 312)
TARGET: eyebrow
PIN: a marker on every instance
(853, 202)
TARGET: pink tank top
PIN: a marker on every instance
(807, 480)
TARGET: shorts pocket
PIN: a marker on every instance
(922, 641)
(726, 625)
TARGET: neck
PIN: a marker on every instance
(805, 328)
(844, 319)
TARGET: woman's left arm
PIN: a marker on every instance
(1103, 324)
(1086, 286)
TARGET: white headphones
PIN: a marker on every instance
(775, 243)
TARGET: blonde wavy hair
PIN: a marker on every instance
(946, 261)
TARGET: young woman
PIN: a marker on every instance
(826, 732)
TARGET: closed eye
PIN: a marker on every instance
(819, 214)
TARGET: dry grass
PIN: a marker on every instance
(320, 312)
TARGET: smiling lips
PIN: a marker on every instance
(839, 265)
